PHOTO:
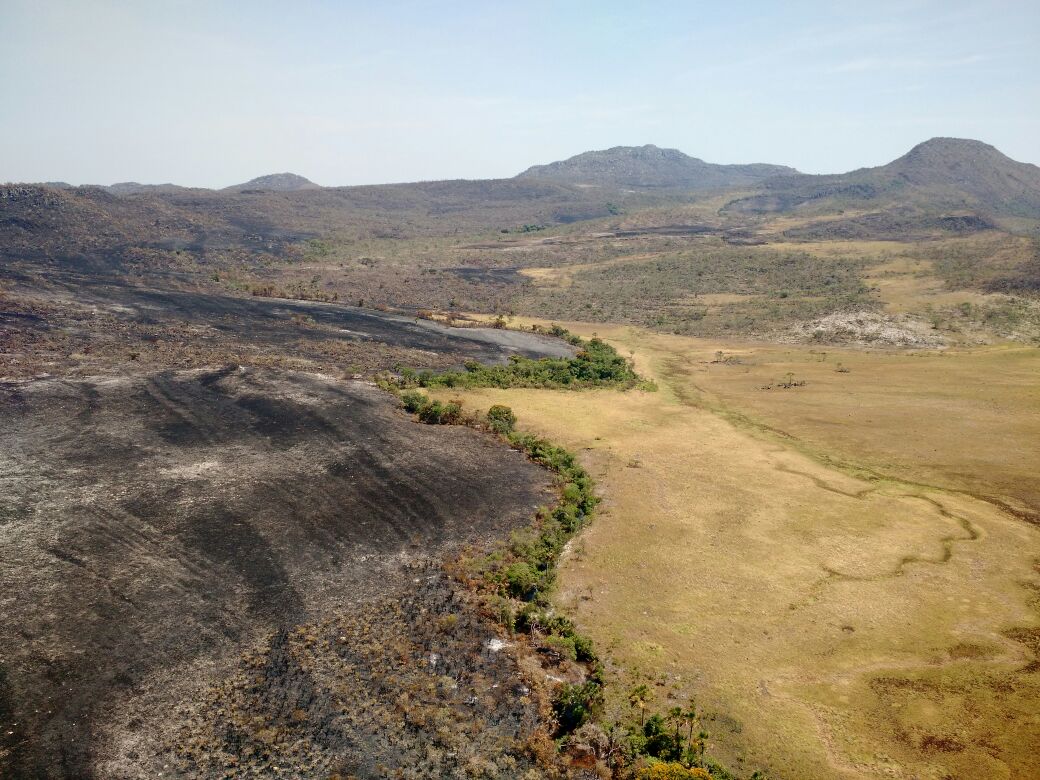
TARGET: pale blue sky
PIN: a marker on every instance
(213, 93)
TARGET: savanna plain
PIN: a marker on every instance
(631, 466)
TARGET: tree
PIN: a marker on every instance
(675, 715)
(638, 697)
(659, 743)
(690, 716)
(702, 743)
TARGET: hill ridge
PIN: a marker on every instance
(278, 182)
(651, 166)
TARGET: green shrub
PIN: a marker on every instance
(433, 412)
(528, 618)
(584, 649)
(413, 400)
(596, 364)
(574, 705)
(430, 413)
(564, 645)
(521, 580)
(451, 413)
(501, 419)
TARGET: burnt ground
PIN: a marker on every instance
(90, 325)
(216, 573)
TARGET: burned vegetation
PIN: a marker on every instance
(219, 572)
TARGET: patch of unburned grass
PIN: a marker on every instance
(819, 612)
(960, 419)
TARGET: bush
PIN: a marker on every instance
(671, 770)
(584, 649)
(432, 412)
(574, 705)
(528, 618)
(521, 580)
(501, 419)
(564, 646)
(413, 401)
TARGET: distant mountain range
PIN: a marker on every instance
(272, 182)
(652, 167)
(942, 173)
(941, 186)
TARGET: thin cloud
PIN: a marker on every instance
(872, 64)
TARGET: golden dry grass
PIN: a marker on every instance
(563, 276)
(839, 622)
(958, 419)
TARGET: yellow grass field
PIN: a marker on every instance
(845, 573)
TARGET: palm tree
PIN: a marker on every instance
(638, 698)
(690, 716)
(702, 741)
(675, 715)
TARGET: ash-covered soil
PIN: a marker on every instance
(90, 326)
(213, 573)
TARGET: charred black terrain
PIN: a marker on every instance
(206, 570)
(89, 324)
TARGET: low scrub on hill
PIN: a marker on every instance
(708, 290)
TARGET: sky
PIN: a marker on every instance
(211, 93)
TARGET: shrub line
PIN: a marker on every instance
(516, 579)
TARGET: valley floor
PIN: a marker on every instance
(849, 587)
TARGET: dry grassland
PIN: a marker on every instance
(810, 562)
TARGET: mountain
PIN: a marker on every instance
(278, 182)
(942, 174)
(96, 225)
(652, 167)
(133, 188)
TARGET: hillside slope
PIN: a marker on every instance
(939, 174)
(652, 167)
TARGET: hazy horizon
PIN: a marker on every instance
(202, 94)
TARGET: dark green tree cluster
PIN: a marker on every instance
(597, 364)
(671, 743)
(574, 705)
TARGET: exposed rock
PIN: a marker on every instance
(868, 328)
